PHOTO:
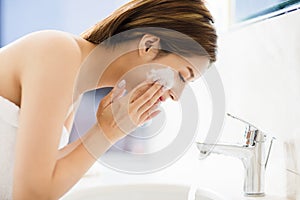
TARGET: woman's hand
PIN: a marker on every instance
(117, 116)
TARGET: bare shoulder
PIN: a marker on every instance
(49, 52)
(46, 53)
(49, 62)
(50, 44)
(43, 39)
(42, 49)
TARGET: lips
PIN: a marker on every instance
(161, 98)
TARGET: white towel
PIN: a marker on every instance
(9, 121)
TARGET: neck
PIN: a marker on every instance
(104, 66)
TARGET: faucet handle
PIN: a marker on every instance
(245, 122)
(252, 134)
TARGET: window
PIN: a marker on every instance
(245, 10)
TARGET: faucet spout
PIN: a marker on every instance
(238, 151)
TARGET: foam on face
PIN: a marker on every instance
(164, 76)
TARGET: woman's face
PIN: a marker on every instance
(182, 69)
(186, 69)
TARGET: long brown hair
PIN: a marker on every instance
(189, 17)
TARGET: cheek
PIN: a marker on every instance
(134, 77)
(178, 86)
(177, 91)
(140, 74)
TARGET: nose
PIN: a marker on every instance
(170, 94)
(173, 96)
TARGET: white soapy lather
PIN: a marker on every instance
(164, 76)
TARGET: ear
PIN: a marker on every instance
(149, 47)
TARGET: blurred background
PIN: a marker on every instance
(19, 17)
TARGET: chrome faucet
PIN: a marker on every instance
(252, 154)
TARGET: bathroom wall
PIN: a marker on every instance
(22, 17)
(260, 68)
(1, 22)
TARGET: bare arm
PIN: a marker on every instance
(74, 165)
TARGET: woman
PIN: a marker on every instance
(38, 74)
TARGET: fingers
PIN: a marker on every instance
(119, 91)
(150, 113)
(154, 114)
(144, 100)
(150, 93)
(131, 111)
(151, 102)
(114, 94)
(118, 94)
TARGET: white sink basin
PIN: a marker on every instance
(143, 192)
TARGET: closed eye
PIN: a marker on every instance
(181, 77)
